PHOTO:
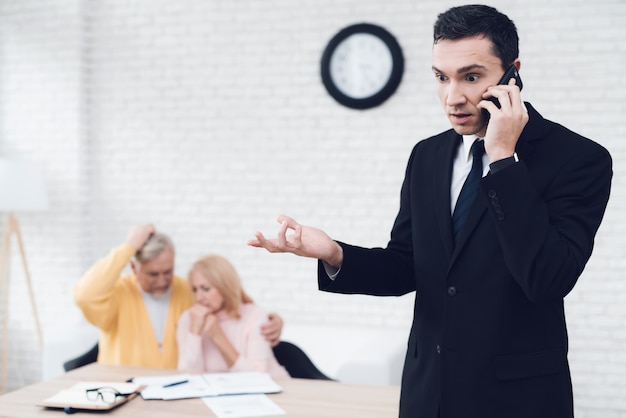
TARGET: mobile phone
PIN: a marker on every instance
(510, 73)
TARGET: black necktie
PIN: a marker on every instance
(468, 191)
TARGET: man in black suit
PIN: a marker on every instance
(489, 338)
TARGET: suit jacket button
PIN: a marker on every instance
(451, 291)
(492, 193)
(438, 349)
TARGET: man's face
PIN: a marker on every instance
(155, 276)
(463, 69)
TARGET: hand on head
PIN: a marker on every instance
(305, 241)
(139, 234)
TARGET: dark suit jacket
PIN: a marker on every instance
(489, 338)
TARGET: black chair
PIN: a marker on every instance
(297, 363)
(90, 356)
(290, 356)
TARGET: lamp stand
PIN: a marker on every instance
(12, 227)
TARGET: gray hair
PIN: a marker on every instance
(154, 246)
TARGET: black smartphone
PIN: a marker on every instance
(510, 73)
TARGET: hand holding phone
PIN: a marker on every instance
(510, 73)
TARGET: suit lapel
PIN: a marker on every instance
(442, 167)
(534, 130)
(478, 210)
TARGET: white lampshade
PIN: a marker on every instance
(21, 187)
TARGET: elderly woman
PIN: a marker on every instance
(222, 330)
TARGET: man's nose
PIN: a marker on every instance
(455, 95)
(163, 279)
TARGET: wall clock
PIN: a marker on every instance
(362, 66)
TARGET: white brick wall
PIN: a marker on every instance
(209, 118)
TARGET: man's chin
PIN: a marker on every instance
(468, 125)
(468, 130)
(158, 292)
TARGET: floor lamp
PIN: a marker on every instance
(21, 190)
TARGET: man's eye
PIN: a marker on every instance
(472, 77)
(440, 77)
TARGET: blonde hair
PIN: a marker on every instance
(223, 276)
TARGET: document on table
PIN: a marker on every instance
(241, 406)
(181, 386)
(75, 397)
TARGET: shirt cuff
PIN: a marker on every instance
(331, 271)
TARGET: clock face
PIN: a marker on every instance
(362, 66)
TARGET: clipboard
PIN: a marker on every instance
(75, 397)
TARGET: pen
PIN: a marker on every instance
(175, 383)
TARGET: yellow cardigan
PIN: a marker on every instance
(114, 304)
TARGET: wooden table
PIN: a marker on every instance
(300, 397)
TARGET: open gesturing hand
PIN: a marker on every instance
(305, 241)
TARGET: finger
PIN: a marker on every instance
(502, 94)
(505, 99)
(291, 223)
(258, 240)
(270, 335)
(282, 234)
(146, 231)
(200, 311)
(284, 218)
(488, 105)
(516, 97)
(268, 325)
(297, 236)
(268, 244)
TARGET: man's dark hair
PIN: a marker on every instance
(480, 20)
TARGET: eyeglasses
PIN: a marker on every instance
(107, 394)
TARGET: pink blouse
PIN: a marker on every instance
(198, 353)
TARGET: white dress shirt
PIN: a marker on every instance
(461, 166)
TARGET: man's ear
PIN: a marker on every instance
(134, 267)
(517, 63)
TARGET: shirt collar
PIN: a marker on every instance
(468, 141)
(164, 298)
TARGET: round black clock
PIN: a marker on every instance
(362, 66)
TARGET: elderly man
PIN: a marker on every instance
(137, 313)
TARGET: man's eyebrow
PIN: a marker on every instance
(437, 70)
(469, 68)
(463, 70)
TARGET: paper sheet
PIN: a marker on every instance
(209, 384)
(240, 406)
